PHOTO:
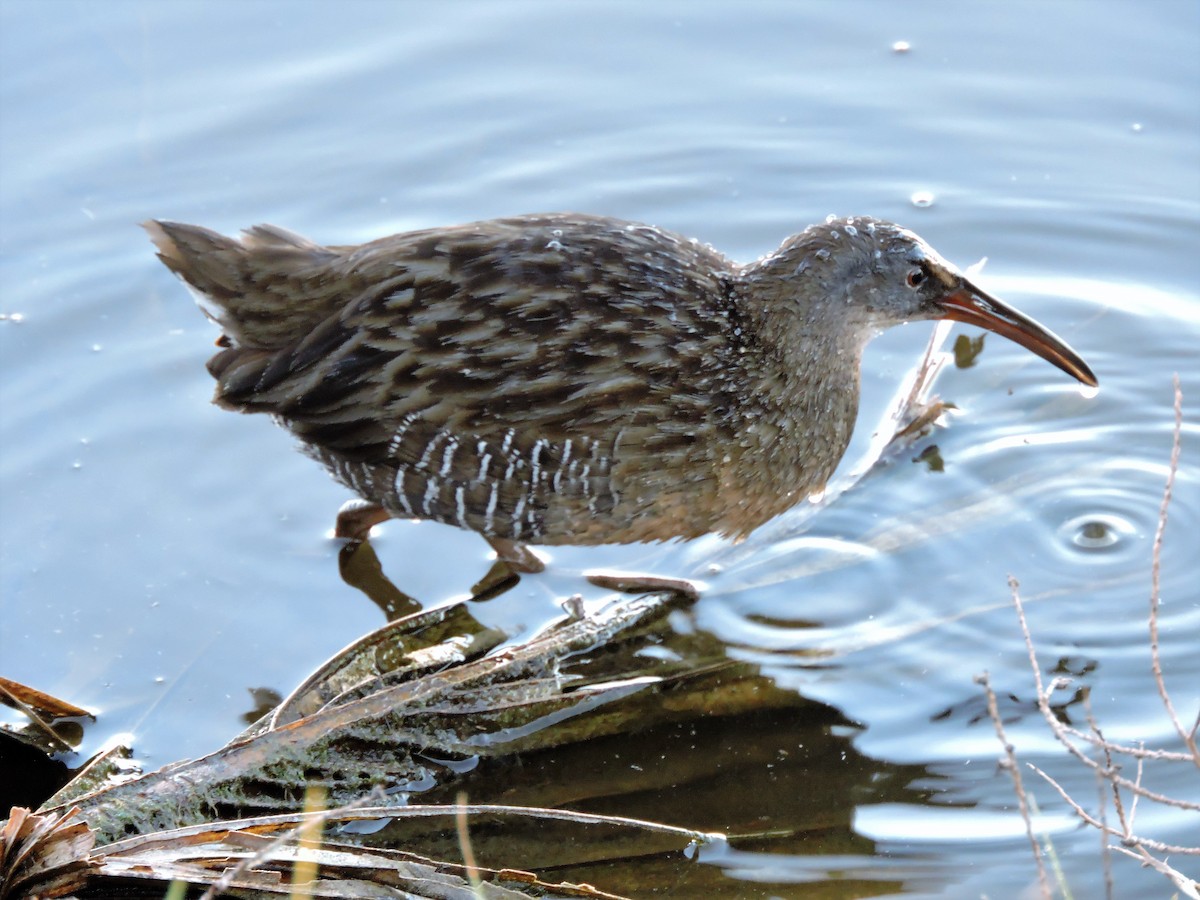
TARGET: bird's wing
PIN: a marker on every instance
(540, 328)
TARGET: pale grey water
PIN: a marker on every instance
(159, 557)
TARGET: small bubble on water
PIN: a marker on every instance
(715, 568)
(15, 318)
(921, 199)
(77, 465)
(1136, 127)
(901, 47)
(1097, 532)
(554, 245)
(96, 348)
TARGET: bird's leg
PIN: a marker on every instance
(356, 518)
(518, 557)
(643, 584)
(512, 558)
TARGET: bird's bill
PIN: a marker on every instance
(971, 305)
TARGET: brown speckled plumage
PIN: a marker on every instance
(567, 378)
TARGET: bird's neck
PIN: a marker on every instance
(803, 372)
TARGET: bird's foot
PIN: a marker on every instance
(633, 583)
(518, 557)
(356, 518)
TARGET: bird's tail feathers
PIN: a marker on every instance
(265, 290)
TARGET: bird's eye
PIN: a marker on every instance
(916, 277)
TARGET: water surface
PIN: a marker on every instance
(160, 558)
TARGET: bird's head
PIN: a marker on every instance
(861, 275)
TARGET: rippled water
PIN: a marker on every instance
(160, 557)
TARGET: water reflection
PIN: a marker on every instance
(360, 568)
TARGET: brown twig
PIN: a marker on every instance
(1188, 737)
(1135, 840)
(1181, 881)
(1014, 770)
(1064, 733)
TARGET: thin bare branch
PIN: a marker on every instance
(1136, 840)
(1060, 731)
(1015, 771)
(1186, 885)
(1188, 737)
(1141, 752)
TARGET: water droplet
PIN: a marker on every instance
(554, 245)
(922, 199)
(96, 348)
(901, 47)
(715, 568)
(1135, 127)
